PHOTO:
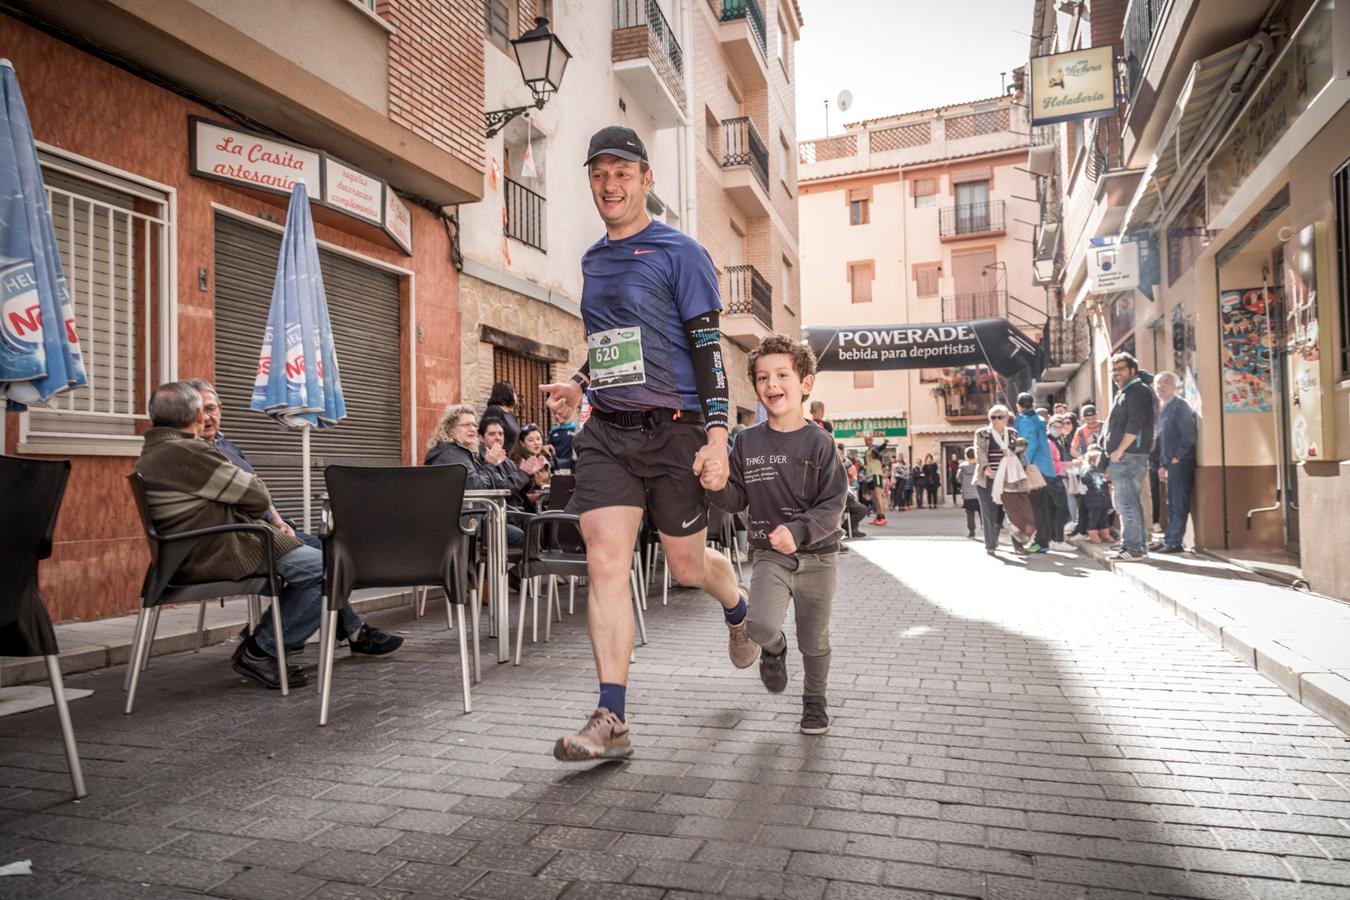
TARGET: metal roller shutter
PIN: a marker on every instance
(363, 303)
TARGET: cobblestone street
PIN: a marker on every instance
(1002, 729)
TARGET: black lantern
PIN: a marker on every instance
(542, 59)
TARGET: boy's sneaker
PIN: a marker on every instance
(602, 737)
(773, 671)
(370, 641)
(739, 646)
(815, 720)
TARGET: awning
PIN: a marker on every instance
(1181, 135)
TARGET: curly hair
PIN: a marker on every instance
(803, 359)
(445, 429)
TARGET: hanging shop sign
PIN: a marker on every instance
(1129, 263)
(1306, 310)
(1246, 349)
(252, 160)
(234, 156)
(860, 348)
(352, 191)
(1080, 84)
(1299, 74)
(398, 220)
(886, 427)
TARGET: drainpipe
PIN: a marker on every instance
(687, 132)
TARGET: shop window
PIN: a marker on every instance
(111, 234)
(526, 373)
(1341, 189)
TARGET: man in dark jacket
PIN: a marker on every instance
(1127, 441)
(506, 475)
(1176, 455)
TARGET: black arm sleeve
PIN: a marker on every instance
(705, 345)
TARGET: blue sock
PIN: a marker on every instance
(735, 615)
(611, 698)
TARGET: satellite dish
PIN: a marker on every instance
(845, 100)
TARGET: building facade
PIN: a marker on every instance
(919, 218)
(170, 135)
(1226, 164)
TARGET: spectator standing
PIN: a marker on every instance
(818, 416)
(560, 438)
(919, 479)
(1000, 480)
(1127, 441)
(1031, 427)
(1056, 485)
(932, 480)
(1095, 515)
(900, 475)
(953, 482)
(874, 470)
(1176, 447)
(970, 495)
(502, 406)
(1088, 433)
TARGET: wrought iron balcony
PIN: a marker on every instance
(745, 148)
(752, 13)
(648, 60)
(982, 305)
(748, 292)
(525, 215)
(971, 218)
(972, 402)
(635, 13)
(1143, 19)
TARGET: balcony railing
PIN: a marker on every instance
(751, 12)
(745, 148)
(749, 293)
(983, 305)
(525, 215)
(632, 13)
(973, 402)
(971, 218)
(1142, 20)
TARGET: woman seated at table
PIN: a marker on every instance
(455, 443)
(530, 447)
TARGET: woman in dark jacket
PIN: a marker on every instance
(502, 406)
(530, 445)
(932, 480)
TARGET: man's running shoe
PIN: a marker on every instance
(742, 650)
(602, 737)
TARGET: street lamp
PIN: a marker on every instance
(542, 59)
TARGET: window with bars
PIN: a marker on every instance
(111, 235)
(526, 373)
(497, 22)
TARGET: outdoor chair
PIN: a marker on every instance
(33, 490)
(168, 553)
(550, 552)
(568, 536)
(389, 526)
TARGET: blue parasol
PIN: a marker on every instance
(298, 382)
(39, 348)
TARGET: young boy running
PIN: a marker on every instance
(786, 470)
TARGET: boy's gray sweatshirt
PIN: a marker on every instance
(791, 478)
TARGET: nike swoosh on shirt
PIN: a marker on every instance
(642, 252)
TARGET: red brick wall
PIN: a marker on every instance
(436, 72)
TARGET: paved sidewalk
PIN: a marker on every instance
(1004, 729)
(1297, 639)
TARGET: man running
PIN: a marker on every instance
(650, 305)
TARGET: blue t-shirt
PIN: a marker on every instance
(658, 279)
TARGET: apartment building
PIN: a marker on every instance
(919, 217)
(170, 135)
(520, 290)
(1225, 164)
(743, 112)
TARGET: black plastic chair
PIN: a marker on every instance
(393, 526)
(33, 490)
(168, 553)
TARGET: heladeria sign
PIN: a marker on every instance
(1080, 84)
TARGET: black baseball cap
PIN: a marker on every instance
(615, 140)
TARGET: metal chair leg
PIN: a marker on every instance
(534, 611)
(131, 660)
(67, 730)
(557, 600)
(326, 630)
(463, 659)
(520, 624)
(138, 649)
(475, 611)
(571, 594)
(637, 607)
(150, 645)
(254, 612)
(281, 646)
(665, 583)
(201, 628)
(449, 620)
(548, 609)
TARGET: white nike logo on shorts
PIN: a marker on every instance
(691, 521)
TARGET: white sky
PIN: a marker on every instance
(901, 55)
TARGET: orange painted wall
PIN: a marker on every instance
(83, 105)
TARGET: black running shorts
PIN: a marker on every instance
(650, 468)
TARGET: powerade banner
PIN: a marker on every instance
(993, 341)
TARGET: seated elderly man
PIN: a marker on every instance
(361, 638)
(191, 485)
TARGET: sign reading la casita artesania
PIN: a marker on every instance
(878, 347)
(1080, 84)
(232, 155)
